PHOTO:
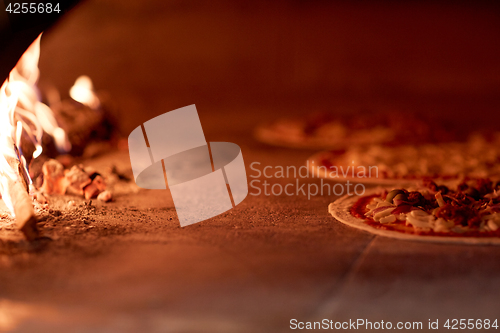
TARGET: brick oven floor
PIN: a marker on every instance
(130, 267)
(127, 266)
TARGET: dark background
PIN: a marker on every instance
(295, 56)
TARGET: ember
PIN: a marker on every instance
(77, 181)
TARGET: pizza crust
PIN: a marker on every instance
(341, 210)
(268, 134)
(314, 164)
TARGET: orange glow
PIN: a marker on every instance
(22, 114)
(83, 91)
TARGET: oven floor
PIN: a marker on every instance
(128, 266)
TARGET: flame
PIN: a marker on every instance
(22, 112)
(83, 91)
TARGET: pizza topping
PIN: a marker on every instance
(419, 219)
(477, 157)
(402, 209)
(388, 219)
(473, 207)
(439, 199)
(386, 211)
(400, 194)
(343, 129)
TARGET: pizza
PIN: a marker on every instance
(470, 213)
(478, 157)
(328, 131)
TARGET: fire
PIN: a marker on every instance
(83, 91)
(23, 115)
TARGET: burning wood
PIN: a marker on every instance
(18, 108)
(25, 121)
(105, 196)
(87, 117)
(23, 209)
(14, 191)
(95, 188)
(76, 181)
(53, 178)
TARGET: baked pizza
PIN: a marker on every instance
(327, 130)
(478, 157)
(470, 213)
